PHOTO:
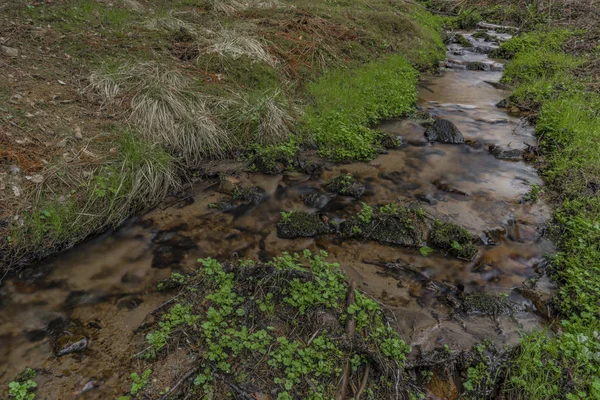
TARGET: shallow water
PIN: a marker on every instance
(108, 284)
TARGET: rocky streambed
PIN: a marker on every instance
(443, 229)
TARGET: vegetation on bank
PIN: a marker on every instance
(190, 81)
(561, 89)
(290, 327)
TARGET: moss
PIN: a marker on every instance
(390, 224)
(274, 159)
(483, 303)
(295, 224)
(455, 239)
(346, 185)
(463, 41)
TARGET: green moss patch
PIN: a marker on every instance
(295, 224)
(346, 185)
(454, 239)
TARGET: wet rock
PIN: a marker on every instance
(317, 199)
(252, 195)
(129, 303)
(498, 85)
(388, 140)
(493, 236)
(9, 51)
(311, 167)
(81, 297)
(444, 131)
(506, 154)
(172, 248)
(346, 185)
(477, 66)
(454, 239)
(390, 224)
(503, 103)
(541, 301)
(297, 224)
(67, 336)
(489, 304)
(443, 387)
(35, 335)
(228, 183)
(444, 187)
(425, 198)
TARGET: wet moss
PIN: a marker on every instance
(390, 224)
(346, 185)
(295, 224)
(489, 304)
(463, 41)
(453, 238)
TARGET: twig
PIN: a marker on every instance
(350, 329)
(179, 382)
(363, 382)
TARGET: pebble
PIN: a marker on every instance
(9, 51)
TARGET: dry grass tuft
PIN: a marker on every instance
(265, 118)
(169, 22)
(166, 110)
(234, 44)
(229, 7)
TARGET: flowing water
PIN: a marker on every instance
(104, 289)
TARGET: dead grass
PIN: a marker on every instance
(166, 108)
(235, 44)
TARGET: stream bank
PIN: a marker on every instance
(437, 302)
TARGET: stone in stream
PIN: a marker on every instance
(503, 103)
(444, 131)
(296, 224)
(454, 239)
(67, 336)
(506, 154)
(489, 304)
(498, 85)
(317, 199)
(478, 66)
(345, 185)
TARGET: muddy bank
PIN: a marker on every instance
(76, 316)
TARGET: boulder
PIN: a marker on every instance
(444, 131)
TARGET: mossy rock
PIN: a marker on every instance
(390, 224)
(477, 66)
(453, 238)
(388, 140)
(346, 185)
(297, 224)
(489, 304)
(463, 41)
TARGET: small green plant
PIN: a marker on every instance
(365, 215)
(533, 195)
(426, 251)
(286, 217)
(22, 390)
(178, 315)
(139, 382)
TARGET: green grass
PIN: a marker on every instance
(568, 127)
(347, 103)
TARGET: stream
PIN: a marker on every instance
(103, 289)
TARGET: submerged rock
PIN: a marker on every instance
(503, 103)
(477, 66)
(67, 336)
(390, 224)
(346, 185)
(489, 304)
(316, 199)
(295, 224)
(444, 131)
(454, 239)
(506, 154)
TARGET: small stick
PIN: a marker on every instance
(350, 328)
(179, 382)
(363, 382)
